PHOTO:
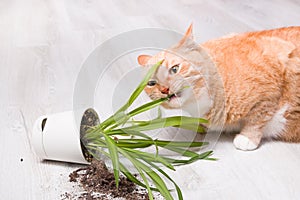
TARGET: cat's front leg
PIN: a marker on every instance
(252, 132)
(249, 139)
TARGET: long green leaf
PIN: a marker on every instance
(136, 165)
(164, 142)
(164, 122)
(181, 151)
(147, 106)
(159, 113)
(142, 85)
(146, 182)
(192, 127)
(132, 178)
(203, 156)
(151, 157)
(112, 148)
(129, 133)
(133, 96)
(157, 180)
(133, 145)
(179, 193)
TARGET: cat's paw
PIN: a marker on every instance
(243, 143)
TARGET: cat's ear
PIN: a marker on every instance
(143, 59)
(188, 36)
(189, 32)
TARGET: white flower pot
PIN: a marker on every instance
(57, 136)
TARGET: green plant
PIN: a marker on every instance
(104, 139)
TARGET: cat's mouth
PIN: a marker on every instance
(175, 95)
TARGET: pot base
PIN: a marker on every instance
(58, 136)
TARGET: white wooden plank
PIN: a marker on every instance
(262, 14)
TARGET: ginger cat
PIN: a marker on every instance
(248, 82)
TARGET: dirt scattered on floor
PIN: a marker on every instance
(98, 182)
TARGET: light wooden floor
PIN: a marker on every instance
(42, 46)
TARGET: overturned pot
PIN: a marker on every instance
(58, 136)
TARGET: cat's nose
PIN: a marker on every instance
(164, 90)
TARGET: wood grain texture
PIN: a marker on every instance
(44, 43)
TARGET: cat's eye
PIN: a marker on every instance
(174, 69)
(151, 83)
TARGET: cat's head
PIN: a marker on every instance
(180, 73)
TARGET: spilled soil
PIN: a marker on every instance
(98, 182)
